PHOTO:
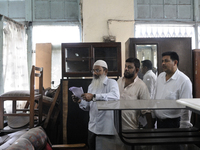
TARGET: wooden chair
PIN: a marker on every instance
(29, 96)
(52, 105)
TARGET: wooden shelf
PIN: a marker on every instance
(78, 58)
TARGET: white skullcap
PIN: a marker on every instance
(101, 63)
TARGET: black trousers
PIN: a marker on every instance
(91, 140)
(168, 123)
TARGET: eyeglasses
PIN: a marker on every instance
(95, 70)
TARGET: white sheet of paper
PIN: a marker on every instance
(77, 91)
(142, 120)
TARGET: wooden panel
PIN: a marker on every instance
(43, 59)
(65, 109)
(75, 120)
(196, 71)
(180, 45)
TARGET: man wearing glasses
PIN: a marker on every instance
(131, 87)
(101, 122)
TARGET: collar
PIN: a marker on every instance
(149, 71)
(105, 80)
(174, 76)
(134, 80)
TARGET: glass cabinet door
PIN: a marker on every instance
(147, 52)
(108, 54)
(77, 59)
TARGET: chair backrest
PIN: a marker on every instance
(18, 95)
(36, 72)
(52, 108)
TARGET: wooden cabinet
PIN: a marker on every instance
(43, 59)
(78, 58)
(182, 46)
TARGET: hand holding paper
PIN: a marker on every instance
(77, 91)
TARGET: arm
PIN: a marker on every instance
(186, 92)
(110, 92)
(150, 82)
(84, 105)
(88, 96)
(144, 95)
(144, 92)
(147, 81)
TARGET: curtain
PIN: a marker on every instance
(15, 68)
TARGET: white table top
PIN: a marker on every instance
(138, 105)
(193, 103)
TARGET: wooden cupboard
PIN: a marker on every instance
(138, 47)
(78, 58)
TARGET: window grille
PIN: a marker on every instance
(156, 31)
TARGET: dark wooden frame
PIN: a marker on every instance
(180, 45)
(91, 58)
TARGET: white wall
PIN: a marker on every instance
(96, 13)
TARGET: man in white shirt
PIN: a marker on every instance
(149, 77)
(131, 87)
(172, 84)
(104, 89)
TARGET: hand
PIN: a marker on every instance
(87, 96)
(76, 99)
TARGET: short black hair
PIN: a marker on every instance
(147, 63)
(173, 55)
(135, 61)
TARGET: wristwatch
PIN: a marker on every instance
(94, 98)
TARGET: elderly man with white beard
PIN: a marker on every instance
(101, 123)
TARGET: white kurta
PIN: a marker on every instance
(101, 122)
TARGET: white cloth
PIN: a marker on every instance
(101, 63)
(178, 86)
(135, 91)
(150, 79)
(101, 122)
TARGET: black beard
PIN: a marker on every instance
(129, 75)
